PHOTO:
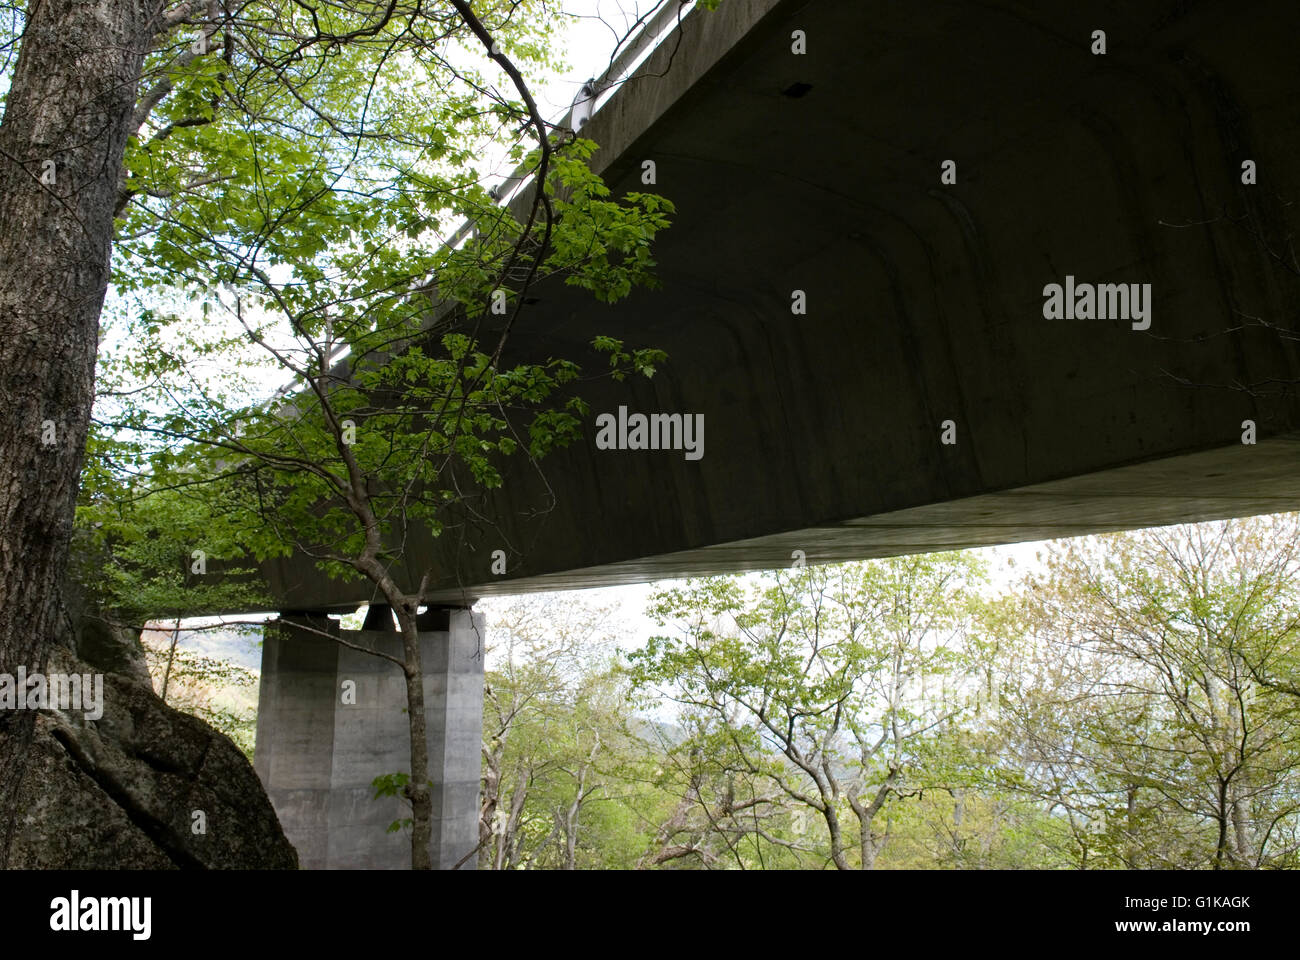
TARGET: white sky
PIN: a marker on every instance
(588, 46)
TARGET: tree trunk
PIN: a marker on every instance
(417, 790)
(62, 140)
(1132, 843)
(873, 845)
(837, 839)
(958, 817)
(571, 831)
(171, 658)
(1221, 817)
(1245, 849)
(510, 846)
(491, 802)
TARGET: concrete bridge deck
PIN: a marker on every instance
(821, 172)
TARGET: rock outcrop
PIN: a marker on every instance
(144, 786)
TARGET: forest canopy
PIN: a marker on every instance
(1130, 702)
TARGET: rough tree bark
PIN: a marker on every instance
(62, 139)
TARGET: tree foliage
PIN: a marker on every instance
(1129, 704)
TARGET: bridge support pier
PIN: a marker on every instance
(331, 719)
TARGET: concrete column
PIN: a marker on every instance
(331, 719)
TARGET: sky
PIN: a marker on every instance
(589, 43)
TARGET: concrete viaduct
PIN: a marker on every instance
(867, 332)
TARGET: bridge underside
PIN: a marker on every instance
(925, 301)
